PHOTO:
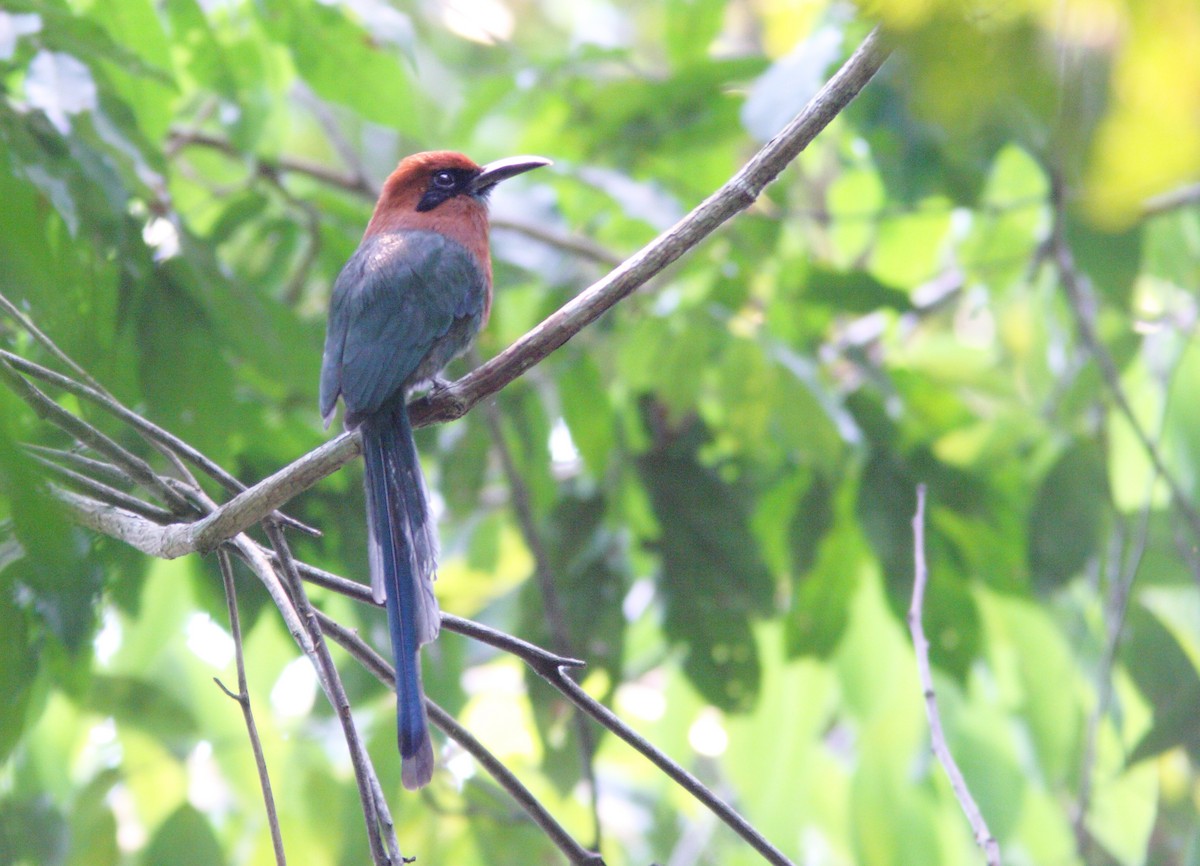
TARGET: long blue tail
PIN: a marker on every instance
(403, 550)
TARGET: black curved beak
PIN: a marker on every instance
(502, 169)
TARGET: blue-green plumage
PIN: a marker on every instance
(404, 305)
(411, 298)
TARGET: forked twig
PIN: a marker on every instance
(983, 836)
(242, 696)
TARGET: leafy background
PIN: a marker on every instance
(982, 276)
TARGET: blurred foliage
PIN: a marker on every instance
(720, 472)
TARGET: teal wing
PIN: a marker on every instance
(404, 305)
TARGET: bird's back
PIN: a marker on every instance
(404, 305)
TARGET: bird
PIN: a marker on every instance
(409, 300)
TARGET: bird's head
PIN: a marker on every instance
(445, 191)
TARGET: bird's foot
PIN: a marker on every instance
(437, 386)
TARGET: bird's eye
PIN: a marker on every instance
(444, 180)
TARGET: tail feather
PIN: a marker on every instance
(403, 556)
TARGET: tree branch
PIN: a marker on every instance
(374, 811)
(456, 399)
(148, 430)
(983, 836)
(243, 698)
(384, 672)
(741, 191)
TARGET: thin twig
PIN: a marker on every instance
(25, 322)
(1171, 200)
(1082, 304)
(674, 771)
(93, 468)
(983, 836)
(149, 430)
(104, 492)
(243, 698)
(335, 692)
(551, 667)
(1116, 608)
(48, 410)
(378, 666)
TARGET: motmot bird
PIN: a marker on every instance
(410, 299)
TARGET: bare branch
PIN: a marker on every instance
(263, 499)
(135, 466)
(378, 666)
(983, 836)
(736, 195)
(149, 430)
(98, 489)
(9, 307)
(243, 699)
(1172, 200)
(335, 693)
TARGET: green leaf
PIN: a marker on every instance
(885, 508)
(143, 704)
(54, 575)
(713, 580)
(93, 825)
(32, 830)
(324, 44)
(814, 518)
(20, 654)
(587, 411)
(1111, 259)
(589, 582)
(822, 598)
(854, 292)
(1168, 679)
(1067, 516)
(184, 839)
(691, 27)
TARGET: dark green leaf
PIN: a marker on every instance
(821, 599)
(1111, 259)
(324, 44)
(20, 655)
(55, 574)
(32, 831)
(1167, 678)
(854, 292)
(1067, 515)
(142, 704)
(184, 839)
(586, 569)
(93, 825)
(713, 580)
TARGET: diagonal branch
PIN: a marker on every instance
(379, 821)
(158, 436)
(741, 191)
(456, 399)
(1082, 304)
(384, 672)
